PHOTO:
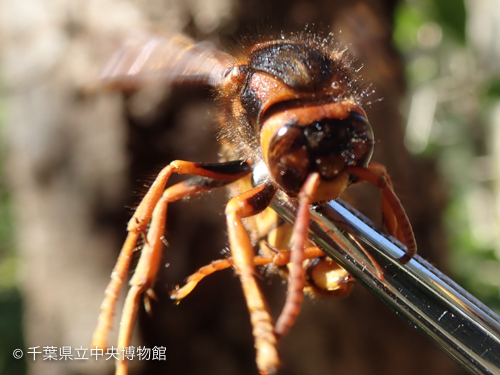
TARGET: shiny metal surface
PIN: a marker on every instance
(459, 324)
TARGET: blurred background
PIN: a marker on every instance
(75, 159)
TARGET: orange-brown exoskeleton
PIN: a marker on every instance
(291, 118)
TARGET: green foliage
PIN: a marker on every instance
(441, 61)
(408, 20)
(11, 312)
(492, 89)
(11, 337)
(451, 14)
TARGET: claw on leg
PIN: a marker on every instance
(193, 280)
(143, 278)
(152, 211)
(281, 258)
(136, 227)
(394, 216)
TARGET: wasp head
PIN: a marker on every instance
(325, 138)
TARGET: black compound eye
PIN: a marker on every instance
(288, 158)
(361, 141)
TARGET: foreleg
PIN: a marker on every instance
(394, 216)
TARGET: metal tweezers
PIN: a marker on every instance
(467, 330)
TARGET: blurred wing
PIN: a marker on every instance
(175, 59)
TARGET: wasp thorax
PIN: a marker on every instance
(326, 146)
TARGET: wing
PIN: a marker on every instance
(171, 59)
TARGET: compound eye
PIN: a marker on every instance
(361, 139)
(288, 158)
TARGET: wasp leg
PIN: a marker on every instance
(217, 265)
(153, 209)
(248, 204)
(136, 226)
(296, 278)
(147, 267)
(394, 216)
(281, 258)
